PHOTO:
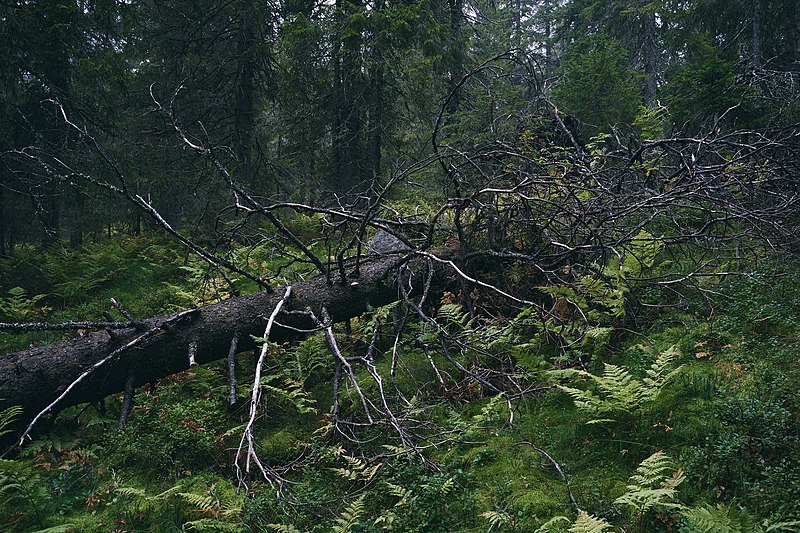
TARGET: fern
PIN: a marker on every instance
(554, 522)
(719, 519)
(617, 390)
(211, 524)
(602, 296)
(147, 503)
(660, 372)
(18, 307)
(131, 492)
(348, 518)
(63, 528)
(654, 485)
(587, 523)
(7, 416)
(791, 525)
(442, 490)
(290, 392)
(497, 519)
(219, 510)
(651, 471)
(382, 313)
(640, 254)
(21, 485)
(357, 469)
(403, 493)
(453, 315)
(202, 503)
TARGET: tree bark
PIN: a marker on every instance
(243, 109)
(650, 53)
(33, 378)
(2, 222)
(757, 16)
(375, 129)
(347, 127)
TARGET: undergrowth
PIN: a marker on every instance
(690, 425)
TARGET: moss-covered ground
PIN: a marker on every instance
(728, 420)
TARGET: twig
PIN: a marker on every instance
(232, 369)
(121, 309)
(330, 338)
(192, 352)
(255, 397)
(127, 400)
(67, 326)
(558, 469)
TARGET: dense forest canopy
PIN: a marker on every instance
(434, 245)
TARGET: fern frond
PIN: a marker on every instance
(231, 510)
(130, 491)
(792, 525)
(497, 518)
(653, 485)
(719, 519)
(453, 314)
(651, 471)
(617, 391)
(347, 519)
(63, 528)
(553, 523)
(201, 503)
(443, 489)
(640, 253)
(166, 494)
(400, 492)
(447, 486)
(587, 523)
(7, 416)
(585, 400)
(393, 449)
(661, 371)
(646, 499)
(382, 313)
(359, 469)
(291, 391)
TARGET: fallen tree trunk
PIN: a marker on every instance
(35, 377)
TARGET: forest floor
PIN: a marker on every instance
(682, 420)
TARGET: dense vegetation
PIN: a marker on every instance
(595, 318)
(721, 405)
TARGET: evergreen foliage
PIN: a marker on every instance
(599, 172)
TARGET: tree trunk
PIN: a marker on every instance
(456, 51)
(76, 218)
(51, 218)
(375, 130)
(347, 125)
(757, 16)
(2, 222)
(245, 73)
(33, 378)
(650, 53)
